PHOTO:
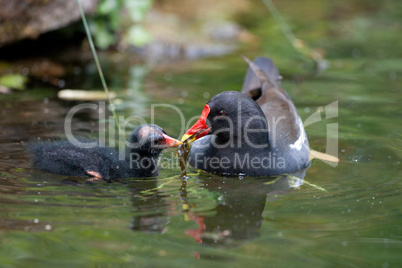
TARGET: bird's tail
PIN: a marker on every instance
(261, 70)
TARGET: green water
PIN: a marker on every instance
(349, 215)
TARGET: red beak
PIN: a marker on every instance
(199, 127)
(170, 142)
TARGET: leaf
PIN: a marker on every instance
(108, 6)
(16, 81)
(138, 36)
(102, 35)
(137, 9)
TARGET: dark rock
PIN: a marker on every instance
(29, 18)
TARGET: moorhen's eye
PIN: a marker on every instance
(221, 113)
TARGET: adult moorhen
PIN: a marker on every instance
(64, 158)
(262, 136)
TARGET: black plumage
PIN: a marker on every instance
(140, 160)
(256, 133)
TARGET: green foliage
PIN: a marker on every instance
(137, 36)
(110, 20)
(137, 9)
(16, 81)
(103, 35)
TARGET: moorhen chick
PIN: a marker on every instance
(64, 158)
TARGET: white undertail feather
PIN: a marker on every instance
(298, 144)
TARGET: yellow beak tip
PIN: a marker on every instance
(185, 137)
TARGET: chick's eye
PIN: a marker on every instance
(221, 113)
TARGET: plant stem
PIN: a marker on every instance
(98, 66)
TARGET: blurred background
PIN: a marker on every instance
(44, 42)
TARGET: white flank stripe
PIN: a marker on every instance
(299, 142)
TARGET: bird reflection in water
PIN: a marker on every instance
(236, 217)
(239, 208)
(145, 198)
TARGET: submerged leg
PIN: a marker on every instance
(95, 175)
